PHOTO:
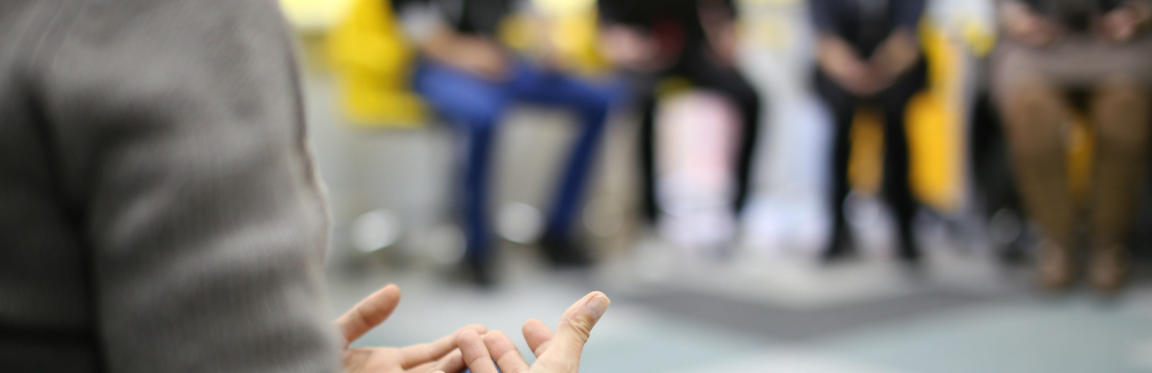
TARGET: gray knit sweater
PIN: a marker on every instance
(158, 208)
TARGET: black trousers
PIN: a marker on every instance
(892, 103)
(698, 67)
(988, 152)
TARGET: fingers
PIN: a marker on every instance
(453, 363)
(356, 359)
(370, 312)
(476, 355)
(574, 329)
(507, 356)
(428, 352)
(537, 335)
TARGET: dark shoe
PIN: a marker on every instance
(909, 251)
(480, 273)
(838, 249)
(564, 252)
(1013, 254)
(1054, 263)
(1108, 268)
(909, 256)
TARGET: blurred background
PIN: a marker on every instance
(700, 289)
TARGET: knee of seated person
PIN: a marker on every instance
(1037, 152)
(1036, 136)
(596, 106)
(1122, 116)
(601, 102)
(1122, 100)
(1122, 85)
(1034, 108)
(1035, 126)
(1122, 125)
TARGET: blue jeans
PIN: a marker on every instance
(476, 106)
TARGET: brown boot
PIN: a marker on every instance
(1108, 268)
(1054, 264)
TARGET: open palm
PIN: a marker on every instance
(440, 355)
(559, 353)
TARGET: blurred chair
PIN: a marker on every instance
(373, 63)
(373, 60)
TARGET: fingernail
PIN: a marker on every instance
(597, 305)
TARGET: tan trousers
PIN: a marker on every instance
(1038, 118)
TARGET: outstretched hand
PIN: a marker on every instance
(559, 353)
(440, 355)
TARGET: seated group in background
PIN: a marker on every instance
(470, 78)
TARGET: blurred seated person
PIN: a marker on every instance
(470, 78)
(691, 39)
(1059, 56)
(153, 222)
(868, 55)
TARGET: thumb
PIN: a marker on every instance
(574, 329)
(368, 313)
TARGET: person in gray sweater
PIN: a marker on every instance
(159, 209)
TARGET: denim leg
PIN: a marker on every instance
(592, 101)
(476, 186)
(475, 106)
(582, 156)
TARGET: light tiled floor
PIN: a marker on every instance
(979, 331)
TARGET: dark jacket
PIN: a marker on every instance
(865, 23)
(675, 25)
(474, 17)
(647, 14)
